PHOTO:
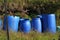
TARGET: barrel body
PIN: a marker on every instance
(36, 24)
(4, 23)
(26, 26)
(51, 23)
(1, 24)
(12, 23)
(15, 23)
(7, 21)
(20, 24)
(44, 23)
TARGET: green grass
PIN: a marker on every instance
(29, 36)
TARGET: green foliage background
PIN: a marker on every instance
(41, 6)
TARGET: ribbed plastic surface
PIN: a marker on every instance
(49, 23)
(0, 24)
(52, 23)
(44, 23)
(25, 25)
(20, 25)
(13, 22)
(7, 19)
(36, 24)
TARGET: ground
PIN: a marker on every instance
(29, 36)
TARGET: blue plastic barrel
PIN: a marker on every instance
(49, 23)
(4, 23)
(44, 23)
(20, 24)
(0, 24)
(40, 16)
(7, 20)
(26, 26)
(10, 22)
(36, 24)
(13, 22)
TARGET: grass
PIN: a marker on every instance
(28, 36)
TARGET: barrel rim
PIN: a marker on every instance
(35, 18)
